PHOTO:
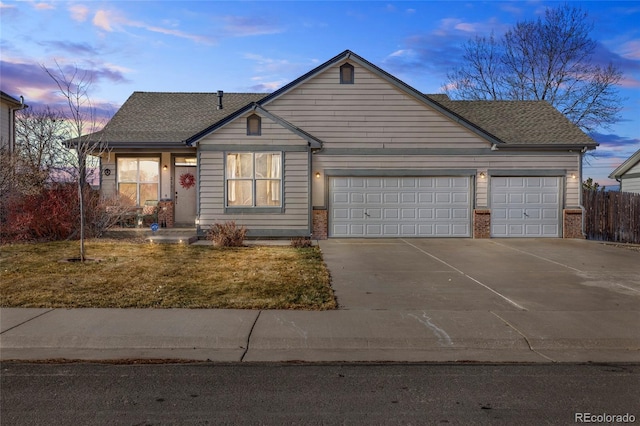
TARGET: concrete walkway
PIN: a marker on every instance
(413, 300)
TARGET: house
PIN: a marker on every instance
(628, 174)
(8, 107)
(349, 150)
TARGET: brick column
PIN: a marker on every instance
(572, 223)
(482, 223)
(320, 224)
(165, 214)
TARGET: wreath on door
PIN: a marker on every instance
(187, 180)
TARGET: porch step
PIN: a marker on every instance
(173, 238)
(162, 236)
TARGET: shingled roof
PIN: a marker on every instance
(170, 118)
(519, 122)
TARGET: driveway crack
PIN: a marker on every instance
(526, 339)
(246, 349)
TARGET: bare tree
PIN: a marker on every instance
(549, 59)
(40, 133)
(74, 85)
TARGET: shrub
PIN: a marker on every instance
(301, 242)
(48, 215)
(227, 234)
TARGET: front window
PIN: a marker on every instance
(254, 179)
(138, 179)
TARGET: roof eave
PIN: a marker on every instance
(625, 166)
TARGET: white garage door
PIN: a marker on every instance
(525, 207)
(399, 207)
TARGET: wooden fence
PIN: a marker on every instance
(612, 216)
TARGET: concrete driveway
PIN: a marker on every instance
(463, 274)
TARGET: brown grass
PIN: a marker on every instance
(163, 276)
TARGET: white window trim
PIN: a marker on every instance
(254, 180)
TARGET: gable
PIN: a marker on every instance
(371, 113)
(273, 134)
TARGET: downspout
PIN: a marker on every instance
(310, 192)
(584, 211)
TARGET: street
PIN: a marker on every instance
(293, 393)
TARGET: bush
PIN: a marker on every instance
(301, 242)
(227, 234)
(53, 214)
(48, 215)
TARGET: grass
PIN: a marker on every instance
(147, 275)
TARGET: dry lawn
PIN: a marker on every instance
(133, 275)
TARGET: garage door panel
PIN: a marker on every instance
(525, 207)
(391, 198)
(391, 214)
(408, 198)
(392, 207)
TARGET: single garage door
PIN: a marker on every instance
(399, 207)
(525, 207)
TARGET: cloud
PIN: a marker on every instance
(7, 6)
(30, 80)
(615, 146)
(268, 86)
(79, 12)
(43, 6)
(103, 20)
(630, 50)
(110, 21)
(242, 26)
(71, 47)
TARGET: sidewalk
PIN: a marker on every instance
(341, 335)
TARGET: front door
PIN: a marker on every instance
(185, 195)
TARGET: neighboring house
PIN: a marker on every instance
(8, 107)
(348, 150)
(628, 174)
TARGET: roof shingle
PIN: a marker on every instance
(170, 117)
(518, 122)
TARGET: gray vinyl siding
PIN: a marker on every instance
(295, 214)
(5, 125)
(520, 164)
(371, 113)
(235, 132)
(630, 181)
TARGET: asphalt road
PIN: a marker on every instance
(65, 394)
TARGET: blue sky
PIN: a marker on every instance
(204, 46)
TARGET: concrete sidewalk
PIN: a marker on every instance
(341, 335)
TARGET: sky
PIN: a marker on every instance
(205, 46)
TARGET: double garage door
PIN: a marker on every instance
(400, 207)
(441, 206)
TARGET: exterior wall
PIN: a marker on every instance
(630, 181)
(294, 217)
(482, 223)
(371, 113)
(520, 163)
(320, 224)
(572, 223)
(109, 183)
(5, 125)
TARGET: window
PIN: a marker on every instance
(254, 125)
(138, 179)
(346, 74)
(254, 179)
